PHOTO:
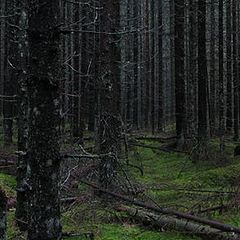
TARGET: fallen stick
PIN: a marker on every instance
(167, 211)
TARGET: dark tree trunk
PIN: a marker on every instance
(77, 79)
(221, 80)
(44, 119)
(22, 186)
(202, 78)
(109, 127)
(10, 74)
(229, 123)
(235, 69)
(212, 97)
(179, 72)
(3, 217)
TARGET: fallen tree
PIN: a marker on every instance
(163, 222)
(218, 226)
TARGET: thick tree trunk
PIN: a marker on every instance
(44, 119)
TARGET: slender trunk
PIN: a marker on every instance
(179, 72)
(229, 123)
(109, 131)
(235, 69)
(221, 80)
(202, 81)
(22, 186)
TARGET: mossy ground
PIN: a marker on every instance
(168, 179)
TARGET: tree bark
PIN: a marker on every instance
(109, 127)
(44, 119)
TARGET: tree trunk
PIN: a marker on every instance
(221, 81)
(235, 69)
(179, 72)
(3, 217)
(44, 119)
(109, 126)
(22, 186)
(229, 122)
(202, 81)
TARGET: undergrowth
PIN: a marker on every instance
(169, 179)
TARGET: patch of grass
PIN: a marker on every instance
(132, 232)
(8, 184)
(166, 173)
(12, 231)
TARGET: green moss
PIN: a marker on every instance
(8, 184)
(12, 231)
(169, 172)
(131, 232)
(164, 174)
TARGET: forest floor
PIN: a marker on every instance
(169, 179)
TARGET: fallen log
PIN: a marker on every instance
(3, 209)
(166, 211)
(170, 223)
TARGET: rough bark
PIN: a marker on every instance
(44, 119)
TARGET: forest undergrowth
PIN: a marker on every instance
(166, 179)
